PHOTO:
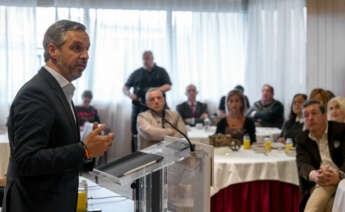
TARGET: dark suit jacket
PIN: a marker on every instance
(186, 112)
(46, 154)
(308, 154)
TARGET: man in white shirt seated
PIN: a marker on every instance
(320, 158)
(151, 124)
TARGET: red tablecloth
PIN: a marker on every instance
(257, 196)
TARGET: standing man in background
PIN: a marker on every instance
(142, 79)
(46, 152)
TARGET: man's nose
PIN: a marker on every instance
(310, 117)
(85, 55)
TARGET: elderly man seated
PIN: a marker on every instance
(192, 111)
(151, 124)
(267, 112)
(320, 158)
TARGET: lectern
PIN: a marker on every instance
(180, 181)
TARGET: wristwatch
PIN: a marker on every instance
(341, 174)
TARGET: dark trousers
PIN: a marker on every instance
(2, 189)
(136, 109)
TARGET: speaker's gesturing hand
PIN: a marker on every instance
(97, 144)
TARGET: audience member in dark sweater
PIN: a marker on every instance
(222, 103)
(85, 112)
(267, 112)
(295, 124)
(192, 111)
(235, 123)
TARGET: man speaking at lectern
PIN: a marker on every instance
(46, 152)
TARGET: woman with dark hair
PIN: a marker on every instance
(236, 123)
(295, 123)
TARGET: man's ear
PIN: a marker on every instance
(52, 50)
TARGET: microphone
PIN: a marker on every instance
(191, 146)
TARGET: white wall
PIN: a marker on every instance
(326, 45)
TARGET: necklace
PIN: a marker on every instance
(235, 123)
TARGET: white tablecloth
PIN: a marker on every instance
(201, 134)
(106, 200)
(246, 165)
(262, 132)
(4, 153)
(339, 199)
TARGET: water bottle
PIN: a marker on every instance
(289, 145)
(207, 123)
(246, 141)
(192, 122)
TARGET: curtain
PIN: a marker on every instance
(196, 41)
(276, 51)
(18, 54)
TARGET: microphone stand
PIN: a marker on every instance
(191, 146)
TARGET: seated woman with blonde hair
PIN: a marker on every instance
(336, 109)
(236, 123)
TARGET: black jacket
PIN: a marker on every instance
(290, 129)
(308, 155)
(46, 154)
(186, 112)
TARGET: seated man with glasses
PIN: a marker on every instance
(152, 126)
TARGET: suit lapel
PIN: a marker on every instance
(76, 121)
(313, 147)
(188, 108)
(332, 132)
(62, 98)
(197, 108)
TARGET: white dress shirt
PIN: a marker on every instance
(67, 87)
(326, 159)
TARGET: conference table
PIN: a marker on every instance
(4, 153)
(252, 180)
